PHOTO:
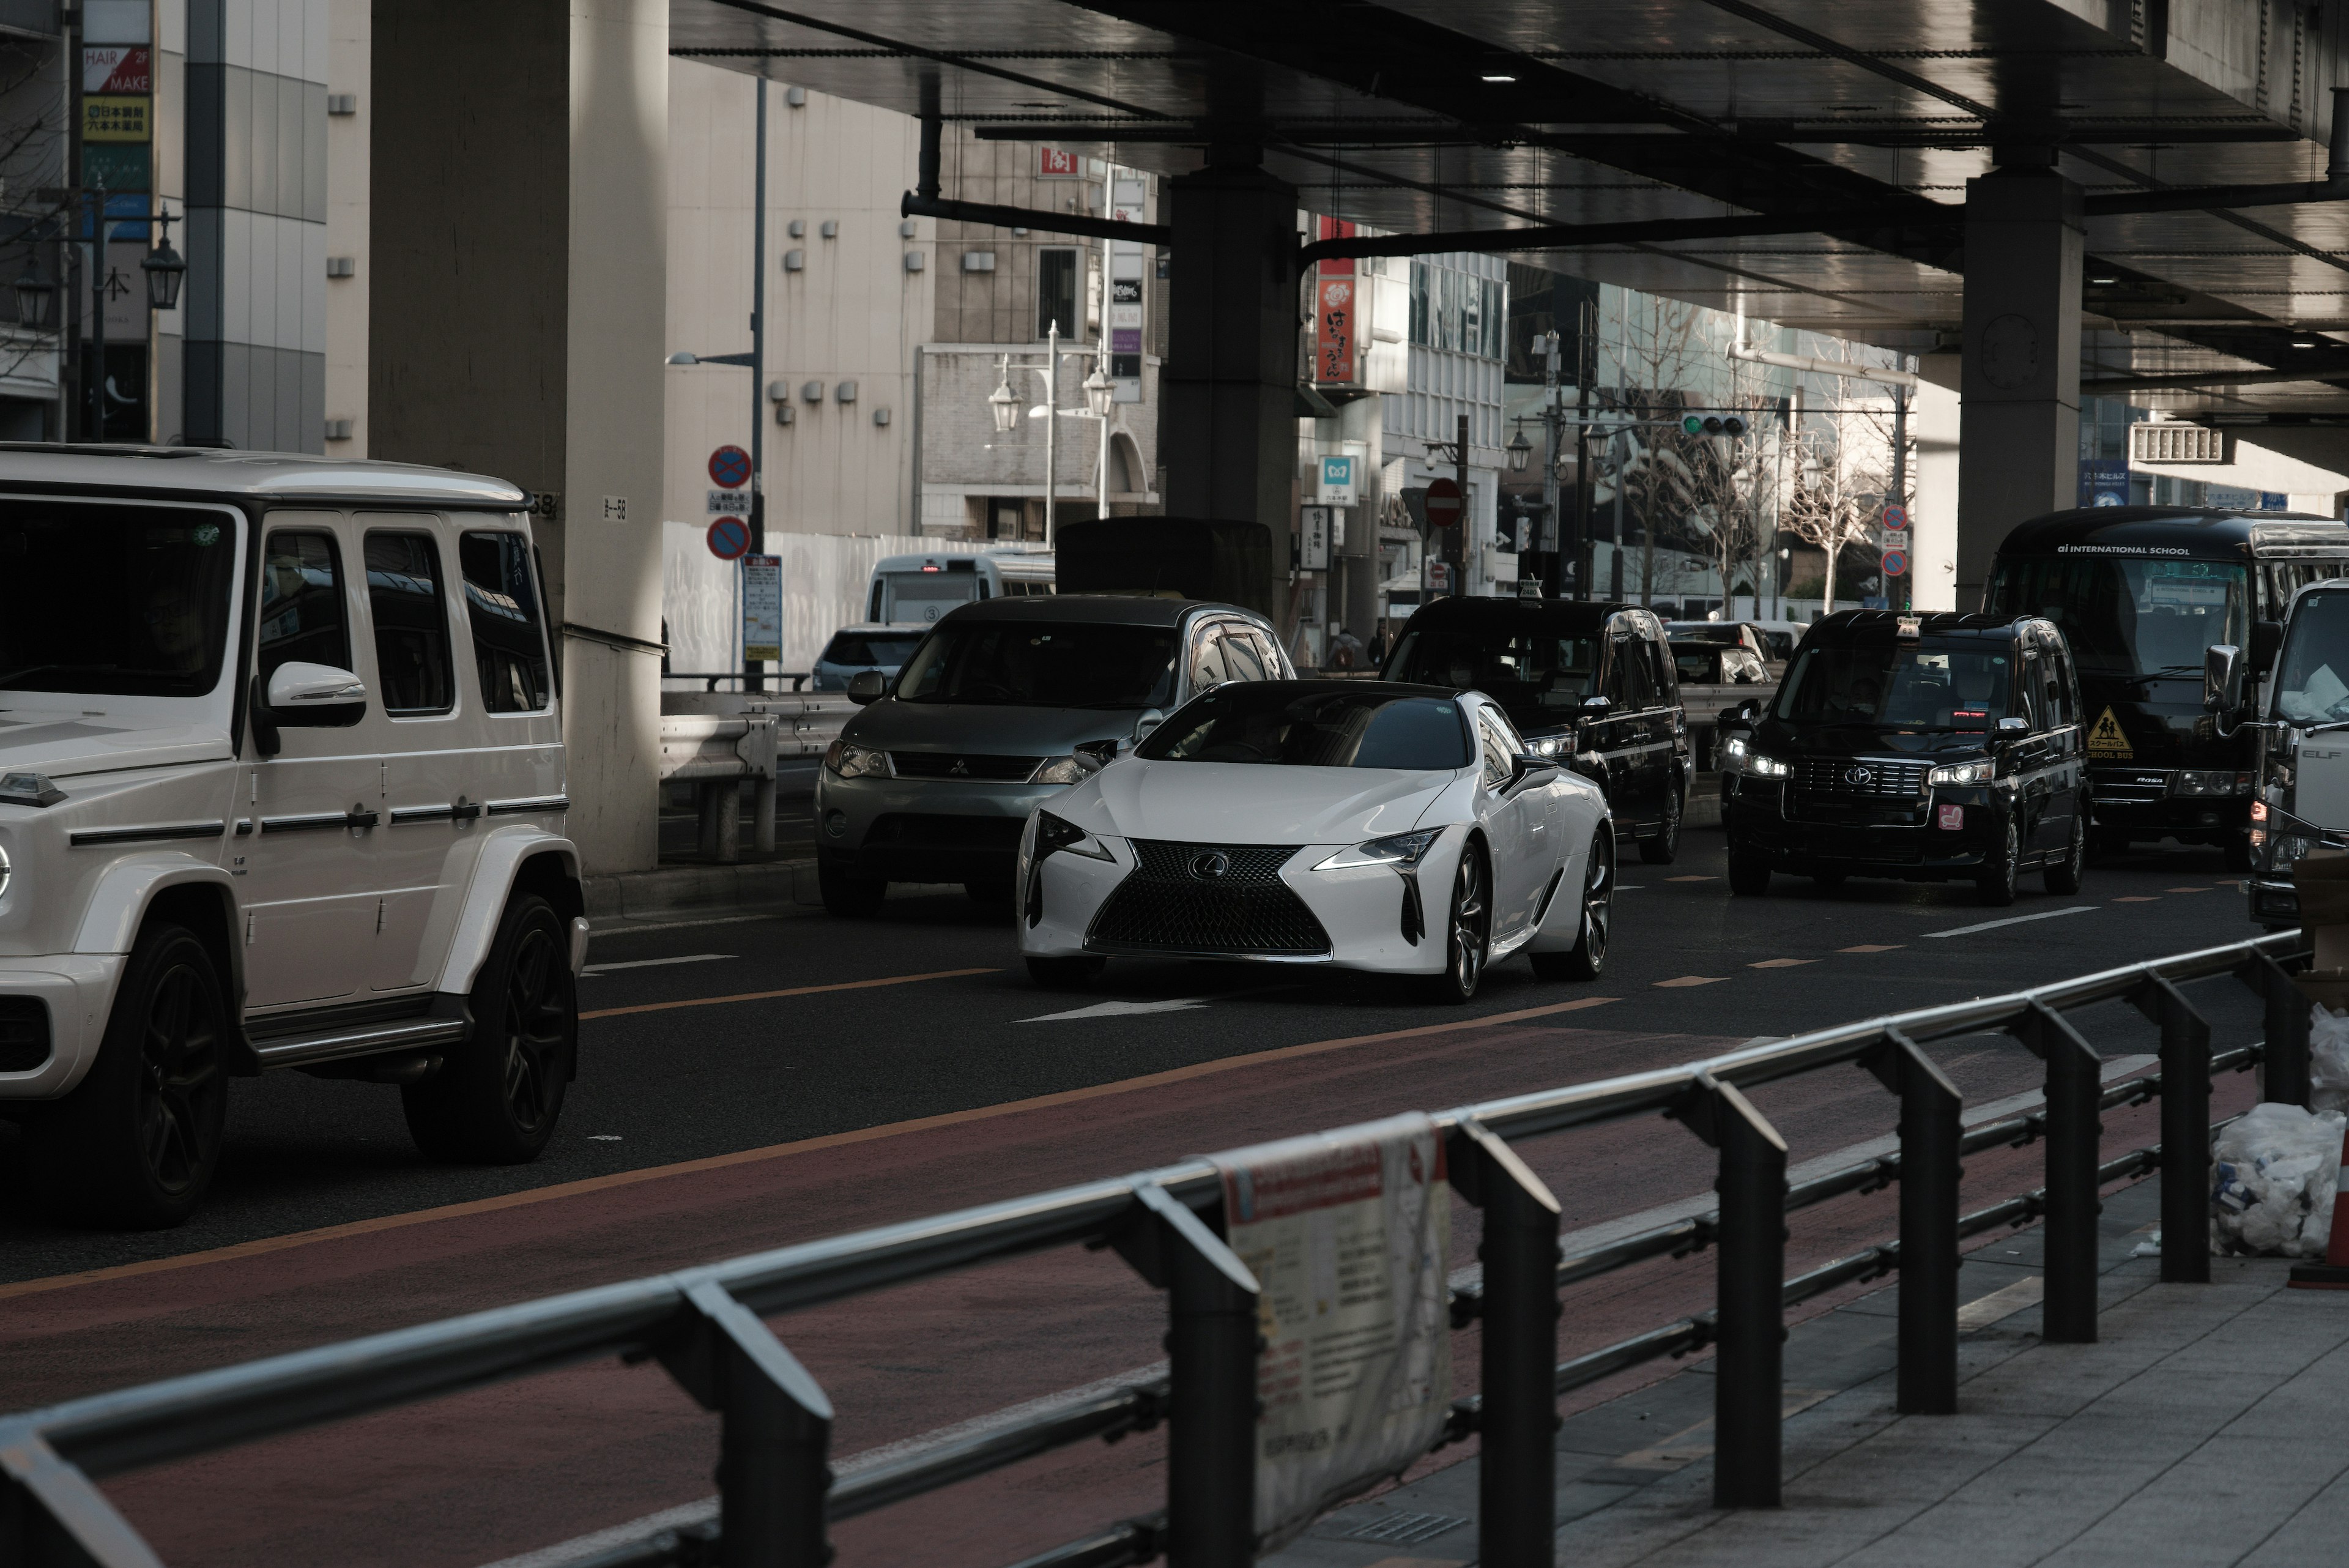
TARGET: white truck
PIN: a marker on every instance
(2300, 800)
(282, 784)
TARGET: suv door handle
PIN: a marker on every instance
(355, 818)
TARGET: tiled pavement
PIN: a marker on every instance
(2205, 1426)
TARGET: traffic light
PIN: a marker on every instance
(1695, 425)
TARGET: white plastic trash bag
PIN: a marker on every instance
(2273, 1176)
(2328, 1059)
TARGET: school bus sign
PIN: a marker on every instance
(2105, 739)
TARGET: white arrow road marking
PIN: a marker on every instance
(654, 963)
(2018, 919)
(1123, 1009)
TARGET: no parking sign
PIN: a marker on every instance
(730, 538)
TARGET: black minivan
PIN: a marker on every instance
(1590, 684)
(1932, 748)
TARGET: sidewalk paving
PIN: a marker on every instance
(2204, 1428)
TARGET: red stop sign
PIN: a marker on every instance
(1443, 503)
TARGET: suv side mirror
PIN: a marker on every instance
(1529, 764)
(2222, 678)
(2012, 725)
(867, 686)
(1594, 708)
(315, 696)
(2267, 638)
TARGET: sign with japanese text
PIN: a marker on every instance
(1051, 163)
(1347, 1238)
(762, 607)
(1313, 539)
(116, 119)
(1334, 313)
(1338, 484)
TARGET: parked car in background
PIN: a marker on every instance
(1925, 747)
(1590, 684)
(1717, 664)
(934, 779)
(1714, 678)
(916, 590)
(854, 649)
(289, 793)
(1774, 642)
(1356, 824)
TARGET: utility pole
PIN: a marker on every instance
(1459, 573)
(753, 669)
(1552, 524)
(69, 366)
(1051, 430)
(1585, 370)
(99, 273)
(1900, 488)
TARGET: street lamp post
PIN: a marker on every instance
(1003, 404)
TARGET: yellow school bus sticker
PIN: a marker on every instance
(2105, 739)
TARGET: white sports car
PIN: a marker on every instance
(1360, 825)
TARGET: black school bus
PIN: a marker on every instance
(2140, 592)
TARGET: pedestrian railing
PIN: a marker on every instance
(776, 1490)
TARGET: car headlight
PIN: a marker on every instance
(1963, 773)
(1404, 851)
(851, 760)
(1059, 835)
(1071, 769)
(1764, 767)
(2210, 781)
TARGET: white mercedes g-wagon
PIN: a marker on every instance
(281, 785)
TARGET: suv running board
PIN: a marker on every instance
(359, 1040)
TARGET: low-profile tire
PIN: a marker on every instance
(1749, 875)
(497, 1096)
(1588, 961)
(1995, 881)
(1665, 846)
(136, 1144)
(851, 898)
(2064, 875)
(1065, 973)
(1467, 930)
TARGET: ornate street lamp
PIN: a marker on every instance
(1521, 453)
(1003, 402)
(1100, 393)
(164, 267)
(36, 300)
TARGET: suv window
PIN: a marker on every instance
(501, 606)
(1241, 656)
(302, 620)
(113, 600)
(1208, 665)
(1632, 684)
(411, 624)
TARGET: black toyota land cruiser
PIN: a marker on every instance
(1926, 747)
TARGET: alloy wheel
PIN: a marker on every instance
(1471, 921)
(180, 1075)
(1598, 901)
(535, 1020)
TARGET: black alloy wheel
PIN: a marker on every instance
(1468, 933)
(1587, 960)
(136, 1142)
(1665, 846)
(1749, 875)
(497, 1096)
(850, 897)
(1998, 873)
(2064, 875)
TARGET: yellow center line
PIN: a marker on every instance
(792, 990)
(771, 1151)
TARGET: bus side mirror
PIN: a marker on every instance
(2267, 638)
(2222, 678)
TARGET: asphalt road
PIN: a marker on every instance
(752, 1083)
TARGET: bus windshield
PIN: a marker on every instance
(2130, 616)
(2313, 672)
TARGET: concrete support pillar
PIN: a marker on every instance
(1230, 378)
(518, 326)
(2020, 451)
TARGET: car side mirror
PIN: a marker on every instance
(2267, 638)
(867, 687)
(1595, 708)
(1747, 712)
(2012, 725)
(1098, 754)
(1151, 719)
(1530, 764)
(2222, 678)
(314, 696)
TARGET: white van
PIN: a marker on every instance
(916, 590)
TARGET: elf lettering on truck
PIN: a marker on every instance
(2302, 733)
(2141, 592)
(916, 590)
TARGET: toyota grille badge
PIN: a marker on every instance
(1860, 776)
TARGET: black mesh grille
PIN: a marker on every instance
(1167, 905)
(962, 766)
(24, 1033)
(1836, 775)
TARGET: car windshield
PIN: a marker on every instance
(1043, 664)
(2313, 674)
(2128, 617)
(114, 599)
(1526, 668)
(1277, 722)
(1911, 689)
(870, 647)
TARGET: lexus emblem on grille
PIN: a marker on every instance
(1858, 776)
(1210, 865)
(961, 769)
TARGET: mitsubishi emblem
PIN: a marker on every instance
(961, 769)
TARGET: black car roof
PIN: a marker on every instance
(2199, 530)
(1470, 610)
(1103, 609)
(1325, 683)
(1875, 628)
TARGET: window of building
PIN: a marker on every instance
(1056, 292)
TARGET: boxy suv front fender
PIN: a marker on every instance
(526, 858)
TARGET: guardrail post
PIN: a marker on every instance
(775, 1429)
(2185, 1131)
(1749, 1267)
(1516, 1481)
(1930, 1109)
(2074, 1086)
(1212, 1345)
(53, 1516)
(2284, 1050)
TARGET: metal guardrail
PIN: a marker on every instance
(776, 1493)
(713, 741)
(710, 677)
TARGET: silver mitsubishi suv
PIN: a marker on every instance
(281, 785)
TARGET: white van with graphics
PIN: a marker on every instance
(282, 784)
